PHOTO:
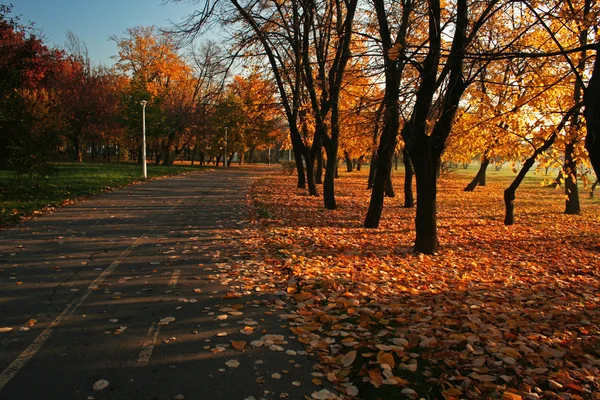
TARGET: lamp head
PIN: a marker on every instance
(143, 103)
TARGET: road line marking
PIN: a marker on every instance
(148, 345)
(37, 344)
(174, 278)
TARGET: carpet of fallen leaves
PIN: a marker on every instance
(501, 312)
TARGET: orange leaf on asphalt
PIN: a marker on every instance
(238, 345)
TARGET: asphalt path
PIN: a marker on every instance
(142, 290)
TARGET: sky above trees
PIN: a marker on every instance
(95, 22)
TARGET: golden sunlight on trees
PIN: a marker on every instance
(442, 83)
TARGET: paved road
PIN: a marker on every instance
(137, 287)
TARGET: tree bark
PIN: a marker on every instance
(426, 219)
(389, 186)
(479, 179)
(572, 205)
(372, 169)
(330, 172)
(310, 173)
(409, 199)
(349, 166)
(591, 99)
(509, 206)
(319, 172)
(193, 155)
(593, 188)
(77, 148)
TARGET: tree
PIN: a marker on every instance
(85, 98)
(28, 138)
(330, 25)
(394, 61)
(255, 99)
(160, 76)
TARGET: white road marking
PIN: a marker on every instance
(148, 345)
(174, 278)
(35, 346)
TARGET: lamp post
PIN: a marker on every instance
(144, 170)
(225, 158)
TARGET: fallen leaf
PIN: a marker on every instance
(348, 358)
(238, 345)
(101, 384)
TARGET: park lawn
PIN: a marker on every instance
(22, 197)
(509, 312)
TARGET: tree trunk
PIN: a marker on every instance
(591, 99)
(250, 155)
(426, 219)
(78, 151)
(359, 162)
(395, 161)
(509, 205)
(593, 188)
(167, 157)
(202, 155)
(300, 170)
(330, 172)
(372, 170)
(299, 148)
(193, 155)
(319, 170)
(349, 166)
(389, 187)
(510, 192)
(572, 205)
(409, 199)
(479, 179)
(310, 174)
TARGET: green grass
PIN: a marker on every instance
(21, 197)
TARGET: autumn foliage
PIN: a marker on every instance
(502, 312)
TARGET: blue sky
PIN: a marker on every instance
(95, 21)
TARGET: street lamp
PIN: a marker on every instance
(144, 170)
(225, 159)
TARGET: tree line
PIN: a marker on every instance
(437, 82)
(499, 80)
(56, 105)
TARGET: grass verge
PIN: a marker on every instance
(21, 197)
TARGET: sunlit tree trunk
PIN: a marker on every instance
(510, 192)
(479, 179)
